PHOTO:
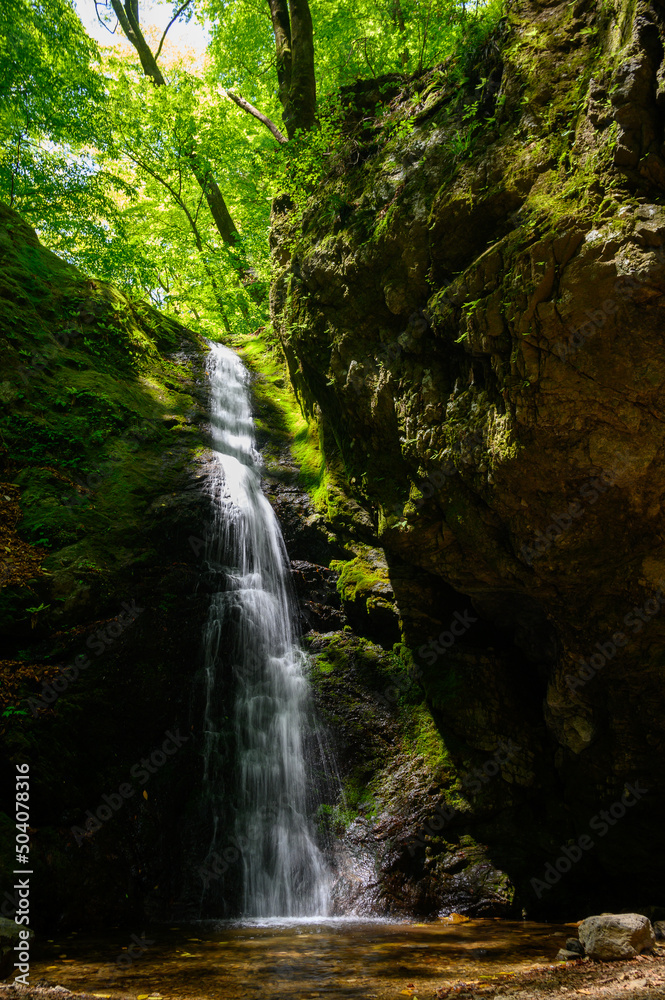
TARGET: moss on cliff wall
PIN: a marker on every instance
(471, 304)
(102, 451)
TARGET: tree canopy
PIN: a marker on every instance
(157, 171)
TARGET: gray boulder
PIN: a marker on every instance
(614, 936)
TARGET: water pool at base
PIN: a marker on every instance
(295, 959)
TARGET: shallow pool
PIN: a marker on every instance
(335, 958)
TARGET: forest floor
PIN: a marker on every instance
(642, 978)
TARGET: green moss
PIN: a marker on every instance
(98, 413)
(368, 694)
(306, 450)
(323, 665)
(425, 740)
(357, 797)
(281, 422)
(357, 578)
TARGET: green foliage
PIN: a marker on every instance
(99, 160)
(10, 711)
(47, 84)
(51, 98)
(90, 416)
(353, 40)
(300, 165)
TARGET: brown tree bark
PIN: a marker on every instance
(194, 228)
(303, 78)
(281, 26)
(220, 213)
(294, 50)
(128, 18)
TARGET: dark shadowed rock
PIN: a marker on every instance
(480, 341)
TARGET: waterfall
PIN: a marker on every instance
(251, 632)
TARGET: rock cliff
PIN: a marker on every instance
(102, 599)
(471, 306)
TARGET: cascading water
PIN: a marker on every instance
(251, 628)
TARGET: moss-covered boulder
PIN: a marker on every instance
(103, 445)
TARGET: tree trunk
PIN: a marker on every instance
(220, 213)
(128, 17)
(303, 78)
(398, 18)
(281, 26)
(294, 50)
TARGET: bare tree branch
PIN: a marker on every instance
(102, 22)
(173, 19)
(251, 110)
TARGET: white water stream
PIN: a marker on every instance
(250, 631)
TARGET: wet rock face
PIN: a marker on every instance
(481, 337)
(399, 845)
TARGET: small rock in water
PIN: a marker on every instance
(564, 955)
(614, 936)
(572, 944)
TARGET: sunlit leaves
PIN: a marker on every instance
(100, 159)
(51, 97)
(353, 39)
(152, 133)
(46, 81)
